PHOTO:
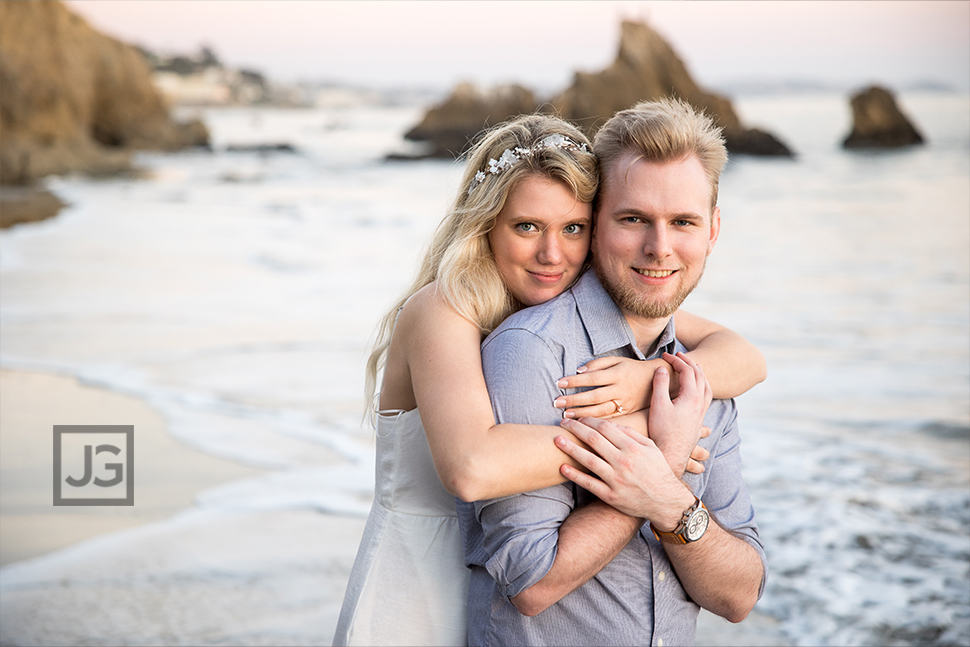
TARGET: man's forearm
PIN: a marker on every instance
(720, 572)
(589, 539)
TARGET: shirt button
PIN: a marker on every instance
(661, 576)
(660, 642)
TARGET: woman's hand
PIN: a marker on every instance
(623, 385)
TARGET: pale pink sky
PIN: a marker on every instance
(540, 44)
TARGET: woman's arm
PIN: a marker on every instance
(731, 363)
(435, 363)
(475, 458)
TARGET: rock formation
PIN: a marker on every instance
(73, 99)
(450, 125)
(645, 68)
(877, 122)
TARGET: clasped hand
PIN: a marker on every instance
(640, 475)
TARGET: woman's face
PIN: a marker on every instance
(540, 239)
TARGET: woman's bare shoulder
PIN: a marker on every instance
(427, 309)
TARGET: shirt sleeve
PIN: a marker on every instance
(521, 532)
(726, 496)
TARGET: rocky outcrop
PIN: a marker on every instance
(73, 99)
(20, 204)
(645, 68)
(877, 122)
(449, 126)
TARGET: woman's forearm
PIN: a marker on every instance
(507, 459)
(731, 364)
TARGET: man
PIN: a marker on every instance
(543, 564)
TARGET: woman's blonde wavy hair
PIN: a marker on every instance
(460, 258)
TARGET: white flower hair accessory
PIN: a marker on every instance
(510, 156)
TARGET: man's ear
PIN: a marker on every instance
(715, 228)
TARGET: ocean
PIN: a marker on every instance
(237, 293)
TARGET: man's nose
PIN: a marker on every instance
(550, 249)
(657, 243)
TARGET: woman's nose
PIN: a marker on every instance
(550, 250)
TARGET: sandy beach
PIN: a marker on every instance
(119, 575)
(168, 473)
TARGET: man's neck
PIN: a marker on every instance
(645, 331)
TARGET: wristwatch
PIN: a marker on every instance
(692, 526)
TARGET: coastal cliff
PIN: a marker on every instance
(75, 100)
(646, 68)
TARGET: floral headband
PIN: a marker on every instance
(512, 155)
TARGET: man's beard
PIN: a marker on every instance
(634, 303)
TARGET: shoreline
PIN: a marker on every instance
(164, 570)
(168, 474)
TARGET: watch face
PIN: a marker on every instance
(696, 525)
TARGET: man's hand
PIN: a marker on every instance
(634, 476)
(676, 425)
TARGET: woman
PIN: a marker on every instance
(517, 235)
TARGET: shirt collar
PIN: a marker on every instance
(605, 324)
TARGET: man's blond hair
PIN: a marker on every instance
(665, 130)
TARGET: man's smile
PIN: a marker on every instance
(656, 274)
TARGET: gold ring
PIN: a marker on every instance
(616, 404)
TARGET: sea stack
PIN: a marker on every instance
(877, 122)
(646, 68)
(449, 126)
(73, 99)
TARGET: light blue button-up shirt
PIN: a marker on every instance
(510, 543)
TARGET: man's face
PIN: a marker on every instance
(654, 230)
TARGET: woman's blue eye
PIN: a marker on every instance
(574, 228)
(525, 226)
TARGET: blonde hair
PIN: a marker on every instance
(460, 259)
(662, 131)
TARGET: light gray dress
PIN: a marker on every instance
(409, 583)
